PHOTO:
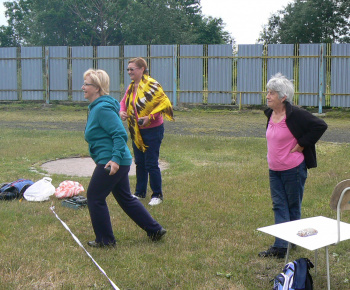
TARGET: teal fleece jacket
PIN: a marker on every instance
(105, 133)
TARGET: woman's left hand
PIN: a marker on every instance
(297, 148)
(114, 167)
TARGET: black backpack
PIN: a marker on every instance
(15, 189)
(295, 276)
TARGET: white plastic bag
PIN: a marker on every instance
(40, 190)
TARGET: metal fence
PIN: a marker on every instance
(196, 74)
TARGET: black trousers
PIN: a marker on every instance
(101, 185)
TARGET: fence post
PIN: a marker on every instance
(47, 78)
(174, 75)
(321, 78)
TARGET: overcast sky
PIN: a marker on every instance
(243, 18)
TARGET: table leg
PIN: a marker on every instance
(287, 255)
(327, 259)
(316, 256)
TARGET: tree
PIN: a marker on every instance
(100, 21)
(211, 30)
(308, 21)
(110, 22)
(64, 22)
(344, 11)
(16, 23)
(156, 22)
(6, 37)
(170, 22)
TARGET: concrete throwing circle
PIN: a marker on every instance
(82, 167)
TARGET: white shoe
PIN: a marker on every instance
(155, 201)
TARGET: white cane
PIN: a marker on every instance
(81, 245)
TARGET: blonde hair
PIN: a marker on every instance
(140, 63)
(100, 79)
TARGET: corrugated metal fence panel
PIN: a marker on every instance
(110, 63)
(82, 60)
(220, 74)
(58, 72)
(249, 73)
(309, 74)
(8, 74)
(280, 64)
(32, 73)
(191, 73)
(161, 68)
(193, 69)
(131, 51)
(340, 78)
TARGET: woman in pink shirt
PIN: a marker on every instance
(143, 106)
(291, 137)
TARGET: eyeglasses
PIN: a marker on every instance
(85, 85)
(131, 69)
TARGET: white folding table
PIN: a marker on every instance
(327, 234)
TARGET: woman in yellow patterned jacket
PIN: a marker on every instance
(144, 105)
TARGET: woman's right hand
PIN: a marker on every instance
(114, 167)
(123, 115)
(297, 148)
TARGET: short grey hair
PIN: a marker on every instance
(283, 86)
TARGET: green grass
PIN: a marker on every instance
(216, 196)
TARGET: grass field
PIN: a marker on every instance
(216, 195)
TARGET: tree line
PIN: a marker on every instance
(309, 21)
(109, 22)
(137, 22)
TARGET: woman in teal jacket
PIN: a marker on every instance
(107, 141)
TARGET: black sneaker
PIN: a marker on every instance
(158, 235)
(95, 244)
(279, 253)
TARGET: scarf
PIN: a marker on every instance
(149, 100)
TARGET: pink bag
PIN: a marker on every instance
(68, 188)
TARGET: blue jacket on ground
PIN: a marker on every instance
(105, 132)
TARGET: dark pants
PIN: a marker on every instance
(101, 184)
(147, 162)
(287, 190)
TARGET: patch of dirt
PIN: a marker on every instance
(82, 167)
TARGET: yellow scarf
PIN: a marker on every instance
(149, 100)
